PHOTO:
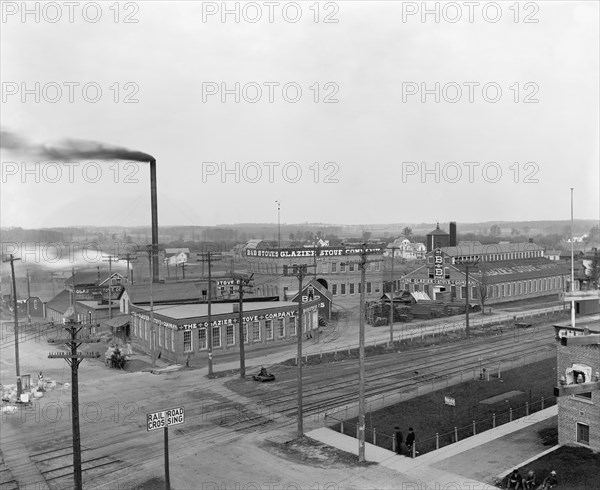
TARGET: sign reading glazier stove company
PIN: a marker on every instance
(292, 253)
(91, 293)
(434, 281)
(165, 418)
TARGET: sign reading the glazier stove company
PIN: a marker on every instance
(165, 418)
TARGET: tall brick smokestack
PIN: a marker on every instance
(453, 233)
(92, 150)
(154, 209)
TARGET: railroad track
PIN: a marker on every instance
(383, 374)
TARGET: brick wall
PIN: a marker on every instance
(573, 409)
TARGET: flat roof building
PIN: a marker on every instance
(181, 330)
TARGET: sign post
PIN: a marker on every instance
(165, 418)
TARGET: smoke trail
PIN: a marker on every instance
(72, 149)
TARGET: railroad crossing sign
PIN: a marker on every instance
(165, 418)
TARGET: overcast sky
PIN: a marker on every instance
(367, 155)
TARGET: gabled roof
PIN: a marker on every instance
(256, 243)
(517, 270)
(163, 292)
(118, 321)
(91, 278)
(322, 290)
(437, 231)
(476, 248)
(60, 302)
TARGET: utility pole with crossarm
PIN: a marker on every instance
(392, 289)
(361, 354)
(11, 258)
(74, 358)
(300, 271)
(243, 282)
(208, 257)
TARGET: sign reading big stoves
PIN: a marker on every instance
(292, 253)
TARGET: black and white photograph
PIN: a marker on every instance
(300, 245)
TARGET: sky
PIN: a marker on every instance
(348, 112)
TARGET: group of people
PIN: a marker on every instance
(399, 440)
(516, 481)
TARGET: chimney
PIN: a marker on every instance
(453, 233)
(236, 307)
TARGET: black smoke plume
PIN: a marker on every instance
(70, 149)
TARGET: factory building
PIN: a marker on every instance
(497, 272)
(180, 331)
(335, 268)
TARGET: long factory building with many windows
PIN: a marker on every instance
(335, 268)
(181, 331)
(501, 272)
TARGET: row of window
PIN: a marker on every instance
(496, 291)
(166, 337)
(322, 267)
(354, 288)
(250, 331)
(499, 256)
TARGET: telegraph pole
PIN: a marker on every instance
(209, 329)
(278, 224)
(110, 259)
(572, 266)
(11, 258)
(361, 360)
(208, 257)
(300, 271)
(392, 288)
(467, 264)
(74, 358)
(242, 282)
(361, 354)
(129, 257)
(28, 299)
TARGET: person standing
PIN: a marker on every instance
(410, 440)
(399, 439)
(40, 384)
